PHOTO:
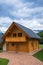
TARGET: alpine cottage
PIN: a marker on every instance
(20, 39)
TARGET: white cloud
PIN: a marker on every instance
(16, 3)
(5, 19)
(5, 23)
(22, 10)
(3, 29)
(33, 24)
(26, 12)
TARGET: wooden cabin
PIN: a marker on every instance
(20, 39)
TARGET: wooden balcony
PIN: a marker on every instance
(15, 39)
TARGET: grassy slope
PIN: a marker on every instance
(39, 55)
(40, 45)
(3, 61)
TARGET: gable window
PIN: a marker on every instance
(19, 34)
(14, 35)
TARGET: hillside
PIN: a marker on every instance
(1, 34)
(41, 35)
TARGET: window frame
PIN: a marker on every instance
(19, 34)
(14, 34)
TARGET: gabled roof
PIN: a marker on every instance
(28, 31)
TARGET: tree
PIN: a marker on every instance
(41, 35)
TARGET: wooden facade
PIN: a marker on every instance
(17, 40)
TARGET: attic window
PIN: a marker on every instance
(14, 35)
(19, 34)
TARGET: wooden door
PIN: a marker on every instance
(22, 47)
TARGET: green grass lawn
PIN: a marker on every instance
(1, 51)
(3, 61)
(39, 55)
(40, 45)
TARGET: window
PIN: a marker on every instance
(20, 34)
(12, 44)
(14, 35)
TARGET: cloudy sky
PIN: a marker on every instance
(25, 12)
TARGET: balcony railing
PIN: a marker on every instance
(15, 39)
